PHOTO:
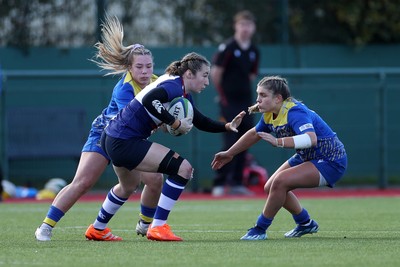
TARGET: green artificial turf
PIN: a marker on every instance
(353, 232)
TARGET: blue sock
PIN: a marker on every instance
(302, 218)
(263, 222)
(53, 216)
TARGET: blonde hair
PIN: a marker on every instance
(112, 55)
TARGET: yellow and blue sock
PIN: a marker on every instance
(53, 216)
(146, 214)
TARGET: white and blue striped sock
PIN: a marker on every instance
(110, 206)
(170, 193)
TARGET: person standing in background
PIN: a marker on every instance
(235, 66)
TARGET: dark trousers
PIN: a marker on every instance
(232, 173)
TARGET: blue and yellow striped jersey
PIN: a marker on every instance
(124, 91)
(295, 118)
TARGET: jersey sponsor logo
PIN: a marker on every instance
(157, 105)
(306, 126)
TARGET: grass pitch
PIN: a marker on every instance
(353, 232)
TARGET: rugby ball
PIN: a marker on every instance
(180, 108)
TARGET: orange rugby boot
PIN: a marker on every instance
(162, 233)
(100, 235)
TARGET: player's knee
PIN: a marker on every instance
(128, 186)
(127, 190)
(186, 170)
(174, 164)
(124, 190)
(279, 183)
(266, 188)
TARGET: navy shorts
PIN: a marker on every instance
(125, 153)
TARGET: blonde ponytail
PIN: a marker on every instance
(112, 56)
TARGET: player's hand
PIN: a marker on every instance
(234, 124)
(220, 159)
(268, 137)
(185, 126)
(253, 109)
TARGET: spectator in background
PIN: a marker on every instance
(235, 66)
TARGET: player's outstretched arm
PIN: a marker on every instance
(245, 142)
(220, 159)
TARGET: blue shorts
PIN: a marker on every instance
(93, 144)
(332, 171)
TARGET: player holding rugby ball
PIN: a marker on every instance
(126, 140)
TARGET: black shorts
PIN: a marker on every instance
(125, 153)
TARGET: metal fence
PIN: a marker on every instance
(360, 104)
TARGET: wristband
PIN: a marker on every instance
(283, 143)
